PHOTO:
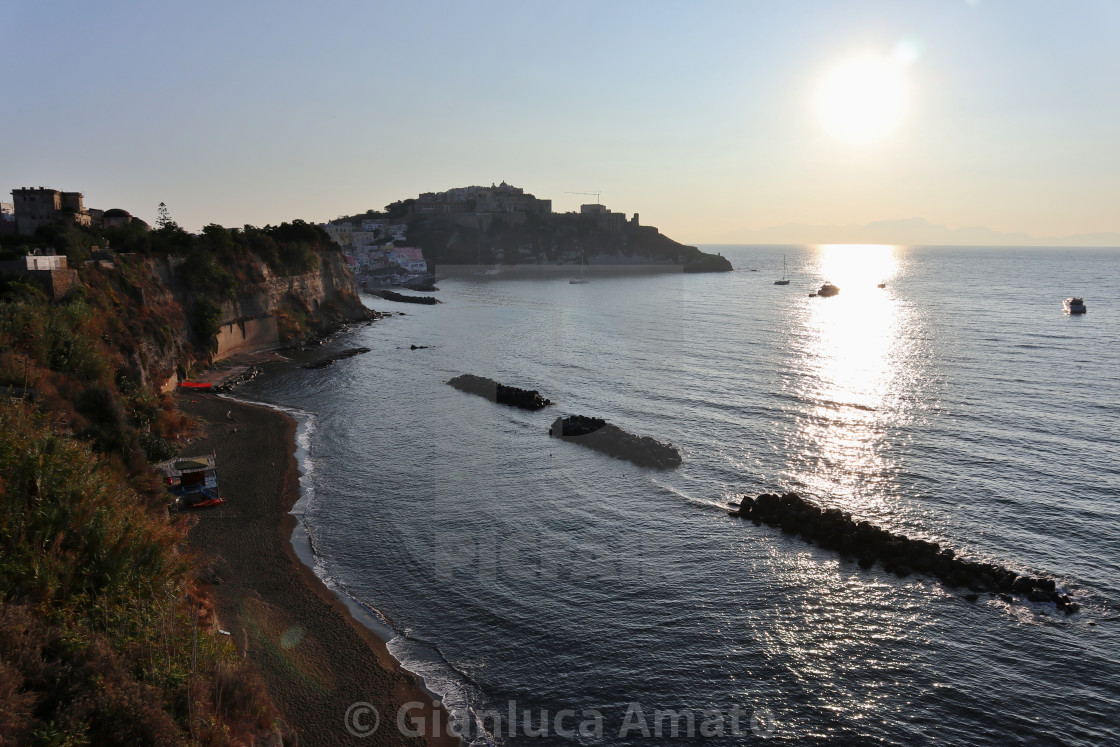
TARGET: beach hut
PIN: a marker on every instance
(192, 480)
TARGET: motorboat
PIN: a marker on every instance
(1074, 305)
(828, 289)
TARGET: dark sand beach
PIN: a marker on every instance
(316, 659)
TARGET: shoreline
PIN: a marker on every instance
(308, 644)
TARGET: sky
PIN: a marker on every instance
(702, 117)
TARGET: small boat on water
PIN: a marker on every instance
(882, 285)
(581, 280)
(828, 289)
(1074, 305)
(785, 274)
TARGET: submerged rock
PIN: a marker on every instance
(834, 529)
(598, 434)
(526, 399)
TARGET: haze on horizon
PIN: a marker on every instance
(715, 122)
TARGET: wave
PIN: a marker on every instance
(454, 695)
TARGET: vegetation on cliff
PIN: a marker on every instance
(105, 635)
(164, 292)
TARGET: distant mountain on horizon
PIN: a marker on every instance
(910, 231)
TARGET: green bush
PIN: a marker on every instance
(98, 639)
(206, 323)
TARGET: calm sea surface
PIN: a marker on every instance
(959, 404)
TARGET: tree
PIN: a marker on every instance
(163, 217)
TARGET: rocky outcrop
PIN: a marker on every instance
(709, 263)
(330, 361)
(425, 284)
(521, 240)
(836, 530)
(526, 399)
(389, 295)
(598, 434)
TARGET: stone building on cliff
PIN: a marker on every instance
(36, 206)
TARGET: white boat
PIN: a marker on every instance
(828, 289)
(1074, 305)
(785, 274)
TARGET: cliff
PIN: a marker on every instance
(503, 225)
(568, 238)
(81, 420)
(172, 301)
(280, 309)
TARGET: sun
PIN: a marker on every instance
(863, 100)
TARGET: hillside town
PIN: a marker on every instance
(377, 248)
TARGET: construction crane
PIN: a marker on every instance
(587, 193)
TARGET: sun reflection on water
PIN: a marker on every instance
(854, 371)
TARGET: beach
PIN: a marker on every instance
(316, 659)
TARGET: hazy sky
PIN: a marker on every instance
(700, 116)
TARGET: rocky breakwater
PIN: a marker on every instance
(834, 529)
(526, 399)
(330, 360)
(389, 295)
(598, 434)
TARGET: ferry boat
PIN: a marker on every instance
(1074, 305)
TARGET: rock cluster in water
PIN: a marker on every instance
(389, 295)
(329, 361)
(426, 284)
(600, 435)
(248, 374)
(526, 399)
(834, 529)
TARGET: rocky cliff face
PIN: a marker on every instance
(566, 238)
(332, 285)
(282, 309)
(158, 331)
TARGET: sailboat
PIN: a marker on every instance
(785, 274)
(581, 280)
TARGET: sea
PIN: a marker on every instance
(549, 594)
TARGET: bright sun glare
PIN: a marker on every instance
(862, 100)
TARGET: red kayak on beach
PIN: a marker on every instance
(196, 385)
